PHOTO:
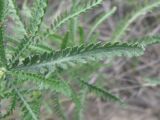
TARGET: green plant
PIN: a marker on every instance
(29, 67)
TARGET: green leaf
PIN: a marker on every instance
(81, 35)
(55, 85)
(63, 18)
(26, 105)
(58, 107)
(40, 48)
(100, 20)
(35, 104)
(76, 55)
(12, 106)
(100, 92)
(18, 30)
(35, 23)
(65, 41)
(19, 27)
(152, 81)
(126, 22)
(145, 41)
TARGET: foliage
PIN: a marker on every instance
(26, 77)
(126, 22)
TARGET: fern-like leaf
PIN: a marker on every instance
(147, 40)
(35, 104)
(40, 49)
(28, 108)
(76, 55)
(57, 107)
(60, 20)
(13, 12)
(35, 22)
(100, 20)
(13, 39)
(55, 85)
(125, 23)
(100, 92)
(12, 105)
(38, 12)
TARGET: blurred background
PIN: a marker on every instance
(125, 77)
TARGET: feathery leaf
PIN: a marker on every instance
(122, 26)
(57, 106)
(100, 92)
(19, 27)
(76, 55)
(35, 22)
(35, 105)
(100, 20)
(26, 105)
(145, 41)
(55, 85)
(60, 20)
